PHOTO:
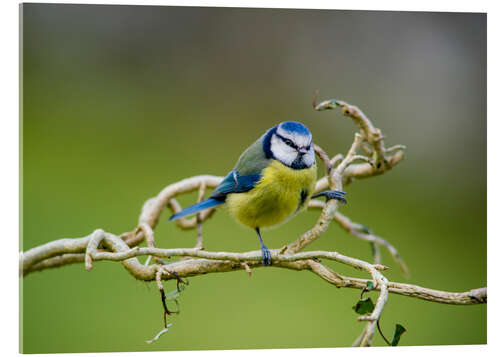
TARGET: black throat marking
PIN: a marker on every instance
(298, 163)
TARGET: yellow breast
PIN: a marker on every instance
(280, 193)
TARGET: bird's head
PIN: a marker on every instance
(290, 143)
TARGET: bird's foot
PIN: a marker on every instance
(332, 194)
(266, 256)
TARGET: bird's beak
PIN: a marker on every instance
(303, 151)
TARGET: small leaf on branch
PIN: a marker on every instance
(397, 334)
(369, 286)
(364, 306)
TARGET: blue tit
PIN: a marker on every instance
(272, 181)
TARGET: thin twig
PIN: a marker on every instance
(340, 170)
(199, 237)
(150, 240)
(381, 334)
(247, 268)
(360, 231)
(213, 262)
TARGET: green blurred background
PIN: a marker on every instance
(120, 101)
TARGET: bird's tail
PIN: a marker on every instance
(211, 202)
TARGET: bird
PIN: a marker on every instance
(272, 181)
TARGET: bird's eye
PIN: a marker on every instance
(289, 142)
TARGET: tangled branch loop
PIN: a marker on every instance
(341, 170)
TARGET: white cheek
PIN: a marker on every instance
(282, 151)
(309, 158)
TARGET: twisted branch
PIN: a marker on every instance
(340, 171)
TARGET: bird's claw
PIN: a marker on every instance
(266, 256)
(332, 194)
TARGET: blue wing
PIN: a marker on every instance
(232, 183)
(245, 175)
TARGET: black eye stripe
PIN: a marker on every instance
(287, 141)
(291, 143)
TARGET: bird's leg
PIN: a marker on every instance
(266, 254)
(332, 194)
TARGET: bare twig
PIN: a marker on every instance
(381, 161)
(324, 157)
(247, 268)
(150, 240)
(362, 232)
(340, 171)
(214, 262)
(330, 208)
(199, 237)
